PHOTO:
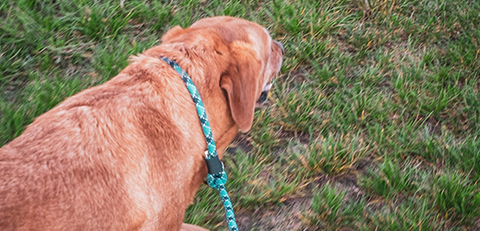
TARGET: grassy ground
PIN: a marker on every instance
(373, 123)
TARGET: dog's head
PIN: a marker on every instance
(254, 59)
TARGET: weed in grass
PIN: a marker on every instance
(332, 155)
(390, 179)
(333, 210)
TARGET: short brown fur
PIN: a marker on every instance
(128, 154)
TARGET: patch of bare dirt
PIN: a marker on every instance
(287, 216)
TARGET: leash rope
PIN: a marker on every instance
(216, 177)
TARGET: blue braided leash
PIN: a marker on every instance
(216, 177)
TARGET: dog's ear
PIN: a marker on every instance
(241, 84)
(175, 31)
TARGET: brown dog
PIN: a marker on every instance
(129, 154)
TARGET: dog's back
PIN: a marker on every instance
(92, 162)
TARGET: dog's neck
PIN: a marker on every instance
(206, 73)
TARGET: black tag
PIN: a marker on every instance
(214, 165)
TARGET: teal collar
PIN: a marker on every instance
(216, 177)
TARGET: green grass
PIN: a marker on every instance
(373, 123)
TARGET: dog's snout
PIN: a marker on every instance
(281, 47)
